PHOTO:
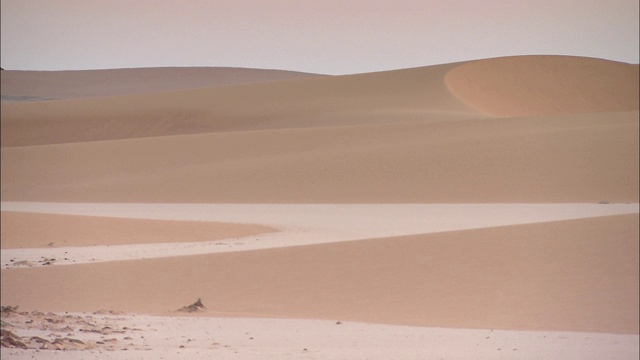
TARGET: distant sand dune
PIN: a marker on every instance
(513, 86)
(56, 85)
(385, 97)
(546, 85)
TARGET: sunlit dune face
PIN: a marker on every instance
(545, 85)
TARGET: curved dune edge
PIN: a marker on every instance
(36, 230)
(545, 85)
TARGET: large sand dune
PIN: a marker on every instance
(553, 133)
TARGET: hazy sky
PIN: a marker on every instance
(323, 36)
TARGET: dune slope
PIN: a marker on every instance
(578, 275)
(570, 158)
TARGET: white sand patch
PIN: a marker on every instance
(155, 337)
(299, 224)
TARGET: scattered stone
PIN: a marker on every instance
(9, 309)
(107, 312)
(11, 340)
(56, 331)
(196, 306)
(23, 262)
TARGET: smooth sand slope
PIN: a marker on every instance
(544, 85)
(576, 158)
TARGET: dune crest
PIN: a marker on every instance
(545, 85)
(57, 85)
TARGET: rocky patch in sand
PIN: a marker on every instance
(51, 331)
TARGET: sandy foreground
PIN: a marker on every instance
(501, 247)
(478, 210)
(124, 336)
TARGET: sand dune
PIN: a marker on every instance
(546, 85)
(523, 86)
(547, 130)
(56, 85)
(392, 96)
(579, 275)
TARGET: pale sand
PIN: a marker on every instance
(257, 338)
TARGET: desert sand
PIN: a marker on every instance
(483, 209)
